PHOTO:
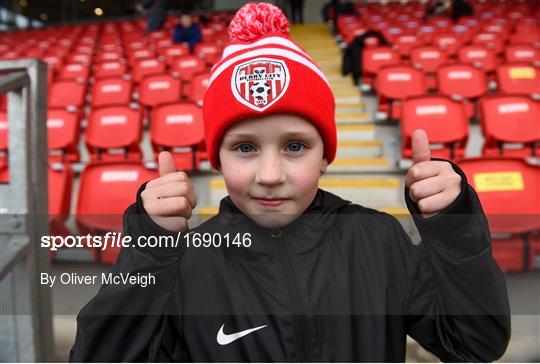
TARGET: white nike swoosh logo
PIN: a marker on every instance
(224, 339)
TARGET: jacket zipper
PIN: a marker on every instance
(300, 327)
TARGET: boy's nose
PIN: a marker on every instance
(270, 171)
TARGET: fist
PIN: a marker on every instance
(169, 199)
(433, 185)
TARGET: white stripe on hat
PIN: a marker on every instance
(268, 52)
(270, 40)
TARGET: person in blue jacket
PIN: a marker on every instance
(187, 31)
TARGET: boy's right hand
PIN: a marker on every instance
(169, 199)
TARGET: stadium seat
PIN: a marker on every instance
(59, 185)
(67, 94)
(509, 190)
(462, 82)
(111, 92)
(147, 67)
(174, 51)
(428, 58)
(114, 134)
(522, 53)
(198, 84)
(518, 79)
(109, 56)
(394, 84)
(105, 191)
(510, 125)
(159, 89)
(178, 128)
(479, 56)
(187, 66)
(110, 69)
(491, 41)
(209, 52)
(448, 42)
(63, 131)
(374, 59)
(443, 119)
(74, 72)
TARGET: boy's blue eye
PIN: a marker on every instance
(245, 148)
(295, 147)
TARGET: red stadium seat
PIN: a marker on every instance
(198, 87)
(448, 42)
(174, 51)
(479, 56)
(59, 185)
(110, 92)
(511, 125)
(428, 59)
(66, 94)
(394, 84)
(114, 133)
(444, 121)
(374, 59)
(105, 191)
(186, 66)
(109, 56)
(509, 190)
(63, 131)
(159, 89)
(491, 41)
(522, 53)
(147, 67)
(209, 52)
(4, 146)
(74, 72)
(110, 69)
(462, 81)
(179, 129)
(518, 79)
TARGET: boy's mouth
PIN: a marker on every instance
(270, 202)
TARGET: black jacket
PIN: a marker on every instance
(340, 283)
(352, 56)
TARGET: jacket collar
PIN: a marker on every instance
(302, 234)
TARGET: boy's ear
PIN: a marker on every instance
(324, 165)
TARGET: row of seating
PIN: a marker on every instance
(115, 133)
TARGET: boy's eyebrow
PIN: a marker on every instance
(287, 135)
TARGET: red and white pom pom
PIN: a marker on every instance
(255, 20)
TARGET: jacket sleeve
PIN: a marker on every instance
(455, 297)
(133, 323)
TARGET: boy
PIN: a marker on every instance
(311, 277)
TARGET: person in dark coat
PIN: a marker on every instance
(155, 12)
(286, 271)
(352, 56)
(187, 31)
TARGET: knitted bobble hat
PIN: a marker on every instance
(263, 72)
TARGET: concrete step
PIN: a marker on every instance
(351, 117)
(355, 131)
(349, 103)
(345, 91)
(359, 148)
(351, 164)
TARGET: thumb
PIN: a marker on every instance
(166, 163)
(420, 146)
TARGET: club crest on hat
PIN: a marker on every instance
(260, 82)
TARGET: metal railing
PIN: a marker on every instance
(25, 305)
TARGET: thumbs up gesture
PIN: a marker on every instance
(433, 185)
(169, 199)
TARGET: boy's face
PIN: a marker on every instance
(271, 166)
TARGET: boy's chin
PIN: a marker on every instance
(272, 220)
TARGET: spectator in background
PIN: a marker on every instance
(187, 31)
(461, 8)
(335, 8)
(297, 10)
(155, 12)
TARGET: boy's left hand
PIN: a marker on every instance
(433, 185)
